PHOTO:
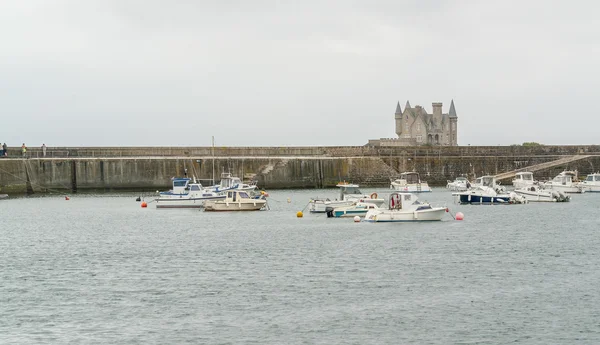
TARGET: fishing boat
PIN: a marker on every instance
(349, 193)
(459, 184)
(539, 194)
(563, 182)
(410, 182)
(185, 194)
(355, 209)
(591, 183)
(229, 182)
(523, 180)
(236, 200)
(487, 195)
(405, 207)
(490, 182)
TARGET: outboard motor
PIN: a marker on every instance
(329, 212)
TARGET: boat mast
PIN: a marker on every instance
(213, 160)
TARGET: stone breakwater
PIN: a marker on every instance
(151, 168)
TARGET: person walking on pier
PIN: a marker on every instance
(43, 150)
(5, 149)
(2, 151)
(23, 150)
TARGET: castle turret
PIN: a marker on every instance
(398, 118)
(453, 124)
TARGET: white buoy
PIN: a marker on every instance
(356, 219)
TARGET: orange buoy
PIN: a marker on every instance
(460, 216)
(144, 204)
(67, 198)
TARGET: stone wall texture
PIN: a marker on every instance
(151, 168)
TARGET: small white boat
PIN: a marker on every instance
(563, 182)
(185, 195)
(410, 182)
(349, 193)
(459, 184)
(356, 209)
(524, 179)
(3, 196)
(236, 200)
(488, 181)
(405, 207)
(229, 182)
(487, 195)
(538, 194)
(591, 183)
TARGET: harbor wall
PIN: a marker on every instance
(150, 169)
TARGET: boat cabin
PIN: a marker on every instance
(183, 186)
(410, 177)
(563, 179)
(180, 185)
(348, 189)
(235, 195)
(229, 182)
(593, 178)
(399, 201)
(485, 181)
(524, 176)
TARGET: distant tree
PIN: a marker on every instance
(531, 143)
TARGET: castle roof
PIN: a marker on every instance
(398, 110)
(452, 112)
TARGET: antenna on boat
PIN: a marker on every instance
(213, 160)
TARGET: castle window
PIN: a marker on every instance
(419, 138)
(418, 127)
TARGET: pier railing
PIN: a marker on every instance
(309, 151)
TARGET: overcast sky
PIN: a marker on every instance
(281, 73)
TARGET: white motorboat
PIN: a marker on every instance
(524, 179)
(405, 207)
(410, 182)
(459, 184)
(591, 183)
(563, 182)
(229, 182)
(487, 195)
(349, 193)
(186, 195)
(236, 200)
(488, 181)
(539, 194)
(356, 209)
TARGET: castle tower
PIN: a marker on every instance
(453, 125)
(437, 114)
(398, 118)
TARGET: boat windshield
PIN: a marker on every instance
(244, 195)
(597, 177)
(195, 187)
(179, 183)
(351, 190)
(410, 177)
(590, 178)
(527, 177)
(487, 181)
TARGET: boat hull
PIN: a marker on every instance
(482, 199)
(182, 202)
(542, 196)
(220, 206)
(394, 216)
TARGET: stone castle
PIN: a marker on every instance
(414, 126)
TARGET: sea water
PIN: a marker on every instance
(99, 269)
